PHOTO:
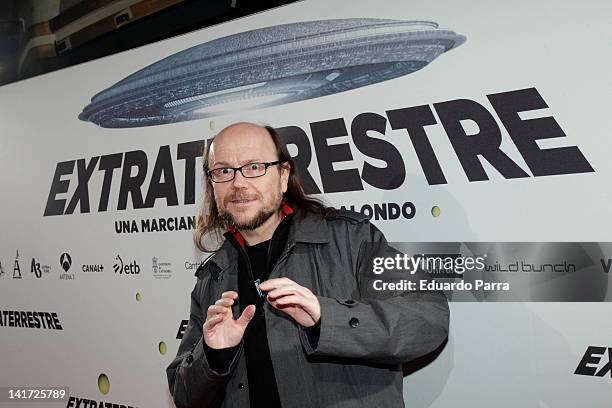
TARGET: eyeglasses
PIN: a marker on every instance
(251, 170)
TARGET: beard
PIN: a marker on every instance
(257, 220)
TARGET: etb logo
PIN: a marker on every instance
(125, 268)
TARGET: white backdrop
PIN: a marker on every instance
(501, 354)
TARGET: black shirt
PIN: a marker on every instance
(257, 262)
(263, 391)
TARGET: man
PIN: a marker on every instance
(281, 314)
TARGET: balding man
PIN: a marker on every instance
(281, 315)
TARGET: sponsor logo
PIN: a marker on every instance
(30, 319)
(192, 265)
(161, 270)
(606, 264)
(92, 268)
(37, 269)
(125, 268)
(66, 263)
(16, 268)
(594, 364)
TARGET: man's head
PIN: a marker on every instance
(236, 146)
(246, 202)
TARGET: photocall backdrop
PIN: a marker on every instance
(442, 121)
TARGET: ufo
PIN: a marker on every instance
(268, 67)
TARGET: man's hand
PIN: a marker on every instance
(220, 330)
(295, 300)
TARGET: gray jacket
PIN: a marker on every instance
(365, 335)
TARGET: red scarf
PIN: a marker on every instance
(286, 209)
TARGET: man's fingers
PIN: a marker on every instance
(221, 307)
(225, 302)
(246, 316)
(230, 294)
(288, 290)
(290, 300)
(216, 309)
(212, 321)
(282, 291)
(275, 283)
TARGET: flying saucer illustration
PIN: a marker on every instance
(268, 67)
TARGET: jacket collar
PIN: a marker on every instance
(308, 228)
(305, 228)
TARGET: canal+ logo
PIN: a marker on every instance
(125, 268)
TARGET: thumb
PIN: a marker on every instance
(246, 316)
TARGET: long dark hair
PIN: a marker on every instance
(210, 223)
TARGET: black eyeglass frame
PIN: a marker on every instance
(266, 164)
